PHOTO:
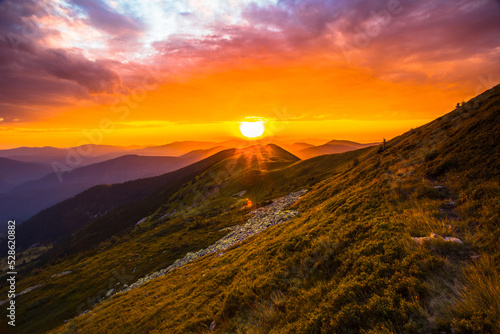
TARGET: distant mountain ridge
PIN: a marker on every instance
(347, 262)
(125, 168)
(14, 172)
(175, 149)
(104, 164)
(332, 147)
(28, 198)
(344, 257)
(91, 154)
(83, 155)
(70, 215)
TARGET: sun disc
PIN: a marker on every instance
(252, 129)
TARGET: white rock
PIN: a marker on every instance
(109, 292)
(452, 239)
(435, 236)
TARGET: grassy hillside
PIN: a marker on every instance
(355, 259)
(157, 243)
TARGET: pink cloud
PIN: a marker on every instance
(443, 42)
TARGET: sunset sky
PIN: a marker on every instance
(151, 72)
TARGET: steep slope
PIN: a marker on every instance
(147, 194)
(157, 243)
(347, 263)
(332, 147)
(243, 161)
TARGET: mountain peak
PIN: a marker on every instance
(268, 153)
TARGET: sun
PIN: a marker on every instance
(252, 129)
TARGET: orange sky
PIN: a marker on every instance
(308, 82)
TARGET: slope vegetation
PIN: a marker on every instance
(156, 243)
(346, 262)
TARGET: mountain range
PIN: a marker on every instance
(26, 199)
(31, 183)
(401, 237)
(13, 172)
(331, 147)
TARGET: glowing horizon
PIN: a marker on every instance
(148, 72)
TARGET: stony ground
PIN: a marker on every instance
(263, 218)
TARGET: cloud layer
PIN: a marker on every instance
(53, 53)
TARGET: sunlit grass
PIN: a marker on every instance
(478, 303)
(345, 264)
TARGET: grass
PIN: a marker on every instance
(315, 272)
(116, 262)
(345, 264)
(153, 245)
(25, 257)
(478, 306)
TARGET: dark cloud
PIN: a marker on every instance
(456, 40)
(102, 17)
(93, 75)
(34, 75)
(464, 27)
(447, 31)
(381, 35)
